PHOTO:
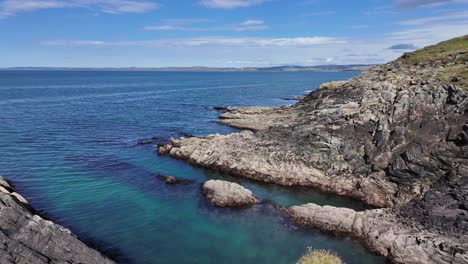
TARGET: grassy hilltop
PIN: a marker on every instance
(450, 56)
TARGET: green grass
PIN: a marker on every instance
(412, 133)
(439, 51)
(320, 257)
(448, 73)
(453, 67)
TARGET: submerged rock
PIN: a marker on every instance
(174, 180)
(220, 108)
(228, 194)
(27, 238)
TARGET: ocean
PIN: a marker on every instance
(69, 143)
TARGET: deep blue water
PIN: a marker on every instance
(68, 142)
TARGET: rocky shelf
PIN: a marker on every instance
(396, 137)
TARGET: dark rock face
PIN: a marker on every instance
(26, 238)
(173, 180)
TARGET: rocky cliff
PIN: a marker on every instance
(27, 238)
(395, 136)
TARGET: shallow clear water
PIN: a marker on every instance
(68, 142)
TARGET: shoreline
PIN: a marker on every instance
(382, 233)
(393, 137)
(29, 237)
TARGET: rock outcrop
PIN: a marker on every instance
(395, 136)
(385, 234)
(228, 194)
(27, 238)
(384, 137)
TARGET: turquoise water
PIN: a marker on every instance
(68, 142)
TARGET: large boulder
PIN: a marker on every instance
(228, 194)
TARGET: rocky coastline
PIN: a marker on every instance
(28, 238)
(384, 233)
(394, 137)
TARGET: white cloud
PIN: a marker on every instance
(251, 28)
(252, 22)
(163, 28)
(187, 21)
(208, 41)
(426, 20)
(248, 25)
(230, 4)
(251, 25)
(13, 7)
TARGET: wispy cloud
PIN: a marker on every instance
(408, 4)
(230, 4)
(251, 22)
(13, 7)
(359, 26)
(209, 41)
(248, 25)
(380, 10)
(319, 13)
(187, 21)
(453, 16)
(430, 33)
(251, 25)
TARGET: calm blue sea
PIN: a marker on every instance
(68, 142)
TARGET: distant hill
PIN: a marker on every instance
(285, 68)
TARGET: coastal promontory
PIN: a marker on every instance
(395, 137)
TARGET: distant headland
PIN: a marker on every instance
(283, 68)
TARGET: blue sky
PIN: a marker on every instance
(221, 33)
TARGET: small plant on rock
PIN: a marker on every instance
(319, 257)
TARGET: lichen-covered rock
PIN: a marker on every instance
(228, 194)
(331, 85)
(27, 238)
(385, 234)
